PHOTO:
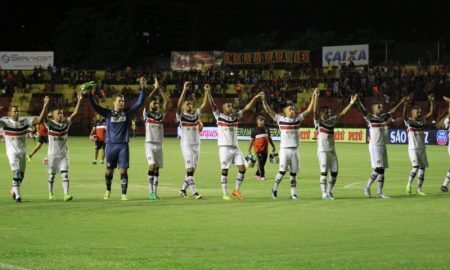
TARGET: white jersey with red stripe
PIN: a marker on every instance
(447, 126)
(289, 130)
(190, 127)
(325, 135)
(154, 131)
(57, 136)
(416, 136)
(15, 133)
(227, 126)
(378, 128)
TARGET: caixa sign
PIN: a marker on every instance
(336, 55)
(400, 136)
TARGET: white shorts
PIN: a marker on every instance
(230, 155)
(154, 154)
(289, 160)
(418, 157)
(328, 161)
(378, 156)
(58, 163)
(191, 154)
(17, 162)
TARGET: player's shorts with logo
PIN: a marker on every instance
(289, 159)
(154, 154)
(378, 156)
(230, 155)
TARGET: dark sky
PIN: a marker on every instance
(25, 23)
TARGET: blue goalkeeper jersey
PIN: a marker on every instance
(118, 123)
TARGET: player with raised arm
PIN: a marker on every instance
(289, 124)
(154, 113)
(15, 130)
(444, 187)
(378, 128)
(189, 120)
(416, 143)
(118, 122)
(324, 124)
(229, 152)
(98, 135)
(58, 152)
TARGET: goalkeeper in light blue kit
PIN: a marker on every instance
(118, 121)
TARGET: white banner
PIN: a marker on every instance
(336, 55)
(25, 60)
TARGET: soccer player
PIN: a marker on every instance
(444, 187)
(15, 131)
(378, 128)
(98, 134)
(416, 143)
(260, 139)
(118, 122)
(154, 113)
(229, 152)
(189, 120)
(324, 124)
(289, 123)
(42, 138)
(58, 160)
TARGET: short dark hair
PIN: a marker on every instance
(323, 109)
(118, 95)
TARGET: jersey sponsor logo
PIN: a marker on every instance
(117, 119)
(441, 137)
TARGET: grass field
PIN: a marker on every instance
(352, 232)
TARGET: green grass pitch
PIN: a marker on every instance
(352, 232)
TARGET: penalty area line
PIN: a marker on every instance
(5, 266)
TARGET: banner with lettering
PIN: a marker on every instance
(268, 57)
(336, 55)
(195, 60)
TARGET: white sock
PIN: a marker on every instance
(65, 184)
(278, 179)
(151, 180)
(293, 185)
(447, 179)
(372, 178)
(420, 179)
(16, 188)
(323, 183)
(155, 184)
(411, 176)
(192, 184)
(51, 181)
(331, 183)
(223, 181)
(380, 179)
(239, 179)
(185, 183)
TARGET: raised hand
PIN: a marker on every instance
(155, 83)
(46, 100)
(446, 99)
(353, 98)
(431, 97)
(186, 85)
(143, 82)
(79, 96)
(207, 87)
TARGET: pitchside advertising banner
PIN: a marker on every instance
(267, 57)
(351, 135)
(336, 55)
(400, 136)
(25, 60)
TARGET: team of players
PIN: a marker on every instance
(117, 122)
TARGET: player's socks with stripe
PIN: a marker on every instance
(124, 183)
(323, 184)
(192, 186)
(331, 183)
(184, 187)
(444, 187)
(293, 187)
(65, 182)
(155, 185)
(372, 179)
(51, 181)
(278, 179)
(151, 178)
(16, 189)
(380, 180)
(239, 179)
(224, 181)
(420, 179)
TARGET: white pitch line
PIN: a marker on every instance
(4, 266)
(351, 185)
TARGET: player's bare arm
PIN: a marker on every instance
(205, 98)
(432, 105)
(267, 108)
(44, 109)
(347, 108)
(77, 107)
(393, 110)
(311, 103)
(183, 94)
(405, 109)
(212, 103)
(361, 107)
(316, 105)
(252, 102)
(166, 100)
